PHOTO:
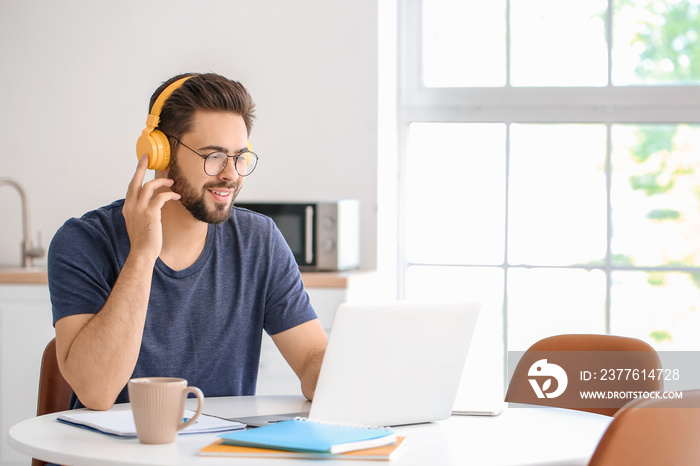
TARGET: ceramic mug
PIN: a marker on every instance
(158, 404)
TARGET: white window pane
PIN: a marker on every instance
(558, 43)
(656, 42)
(546, 302)
(661, 308)
(656, 207)
(455, 193)
(464, 43)
(485, 359)
(453, 284)
(557, 199)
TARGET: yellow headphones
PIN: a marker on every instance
(154, 142)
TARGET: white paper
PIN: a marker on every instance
(121, 423)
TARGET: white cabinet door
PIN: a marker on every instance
(25, 329)
(275, 377)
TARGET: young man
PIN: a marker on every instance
(173, 280)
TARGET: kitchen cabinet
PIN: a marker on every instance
(327, 290)
(25, 329)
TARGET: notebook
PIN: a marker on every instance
(390, 364)
(120, 423)
(384, 453)
(311, 436)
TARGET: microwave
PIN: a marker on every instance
(323, 236)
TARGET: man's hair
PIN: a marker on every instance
(209, 92)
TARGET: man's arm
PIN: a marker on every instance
(97, 353)
(303, 348)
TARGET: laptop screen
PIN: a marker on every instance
(393, 364)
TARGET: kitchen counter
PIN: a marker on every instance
(24, 276)
(328, 279)
(34, 276)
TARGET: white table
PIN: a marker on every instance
(520, 435)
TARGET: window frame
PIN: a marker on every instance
(607, 105)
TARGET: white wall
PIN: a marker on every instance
(77, 76)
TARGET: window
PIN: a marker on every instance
(549, 165)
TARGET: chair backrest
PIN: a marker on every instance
(653, 432)
(54, 391)
(587, 350)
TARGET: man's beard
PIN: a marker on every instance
(195, 203)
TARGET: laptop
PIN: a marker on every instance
(390, 364)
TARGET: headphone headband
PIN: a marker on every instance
(160, 101)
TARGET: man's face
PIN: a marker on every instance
(209, 198)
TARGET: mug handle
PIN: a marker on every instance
(200, 398)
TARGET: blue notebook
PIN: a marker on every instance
(313, 436)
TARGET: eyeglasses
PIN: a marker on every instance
(214, 163)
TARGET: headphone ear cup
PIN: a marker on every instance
(161, 157)
(145, 146)
(157, 146)
(247, 155)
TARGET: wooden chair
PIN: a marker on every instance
(593, 353)
(653, 432)
(54, 391)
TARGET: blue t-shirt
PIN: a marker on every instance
(204, 323)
